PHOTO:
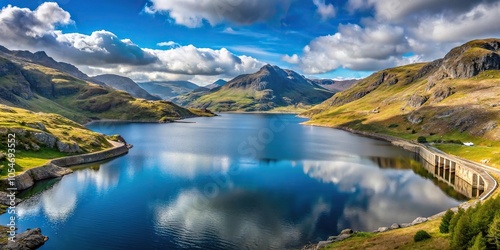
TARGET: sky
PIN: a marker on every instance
(204, 40)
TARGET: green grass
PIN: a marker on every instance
(396, 239)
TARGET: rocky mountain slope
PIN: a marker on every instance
(454, 99)
(271, 88)
(168, 89)
(43, 89)
(125, 84)
(43, 59)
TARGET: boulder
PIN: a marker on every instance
(322, 244)
(417, 100)
(68, 147)
(37, 125)
(382, 229)
(403, 225)
(395, 226)
(419, 220)
(346, 231)
(31, 239)
(414, 118)
(6, 200)
(45, 139)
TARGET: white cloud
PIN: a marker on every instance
(104, 52)
(168, 44)
(356, 48)
(326, 11)
(293, 59)
(479, 22)
(193, 13)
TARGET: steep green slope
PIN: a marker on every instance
(269, 89)
(39, 88)
(452, 100)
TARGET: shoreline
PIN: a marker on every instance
(59, 167)
(260, 112)
(406, 144)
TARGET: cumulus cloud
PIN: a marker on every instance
(479, 22)
(355, 48)
(326, 11)
(193, 13)
(398, 10)
(104, 52)
(293, 59)
(425, 30)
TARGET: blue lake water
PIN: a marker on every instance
(237, 181)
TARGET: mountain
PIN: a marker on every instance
(335, 85)
(216, 84)
(43, 59)
(168, 89)
(125, 84)
(454, 99)
(269, 89)
(39, 88)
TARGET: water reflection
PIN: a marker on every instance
(187, 186)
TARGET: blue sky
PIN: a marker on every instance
(203, 40)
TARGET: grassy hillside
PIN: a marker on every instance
(269, 89)
(38, 88)
(32, 152)
(440, 101)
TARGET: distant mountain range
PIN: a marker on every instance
(335, 85)
(36, 82)
(270, 88)
(125, 84)
(168, 89)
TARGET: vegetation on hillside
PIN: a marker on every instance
(42, 89)
(37, 135)
(445, 102)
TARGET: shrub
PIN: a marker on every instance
(413, 131)
(494, 231)
(421, 235)
(393, 125)
(421, 139)
(479, 243)
(445, 222)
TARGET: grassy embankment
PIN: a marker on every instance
(24, 123)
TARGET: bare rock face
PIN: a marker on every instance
(472, 58)
(31, 239)
(45, 139)
(415, 118)
(68, 147)
(417, 100)
(442, 93)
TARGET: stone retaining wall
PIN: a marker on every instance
(57, 167)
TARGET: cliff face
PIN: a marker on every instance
(472, 58)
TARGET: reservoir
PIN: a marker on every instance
(237, 181)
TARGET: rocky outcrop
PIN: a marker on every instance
(472, 58)
(31, 239)
(415, 118)
(68, 147)
(417, 100)
(442, 93)
(45, 139)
